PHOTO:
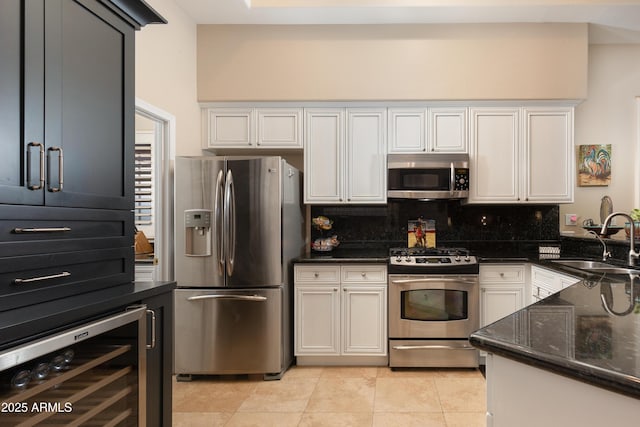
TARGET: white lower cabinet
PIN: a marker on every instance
(340, 314)
(502, 291)
(545, 282)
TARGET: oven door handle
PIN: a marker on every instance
(433, 279)
(432, 347)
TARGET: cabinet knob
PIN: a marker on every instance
(316, 275)
(501, 274)
(335, 289)
(363, 274)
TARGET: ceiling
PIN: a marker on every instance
(615, 21)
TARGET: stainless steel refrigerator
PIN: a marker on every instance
(238, 225)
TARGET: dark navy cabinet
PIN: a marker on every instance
(67, 108)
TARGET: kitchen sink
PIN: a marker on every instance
(582, 264)
(595, 266)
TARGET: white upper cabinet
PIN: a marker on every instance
(279, 127)
(494, 155)
(549, 156)
(229, 128)
(273, 128)
(345, 156)
(433, 129)
(324, 155)
(407, 130)
(366, 166)
(521, 155)
(448, 130)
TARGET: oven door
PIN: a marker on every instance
(433, 307)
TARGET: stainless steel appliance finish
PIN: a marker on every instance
(230, 331)
(428, 176)
(239, 224)
(433, 307)
(93, 372)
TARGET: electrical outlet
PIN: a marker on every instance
(571, 219)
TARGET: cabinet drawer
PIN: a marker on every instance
(502, 273)
(27, 230)
(317, 274)
(27, 280)
(364, 274)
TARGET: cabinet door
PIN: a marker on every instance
(364, 320)
(494, 155)
(407, 130)
(548, 155)
(159, 359)
(317, 320)
(279, 128)
(499, 301)
(21, 102)
(229, 128)
(324, 156)
(366, 165)
(89, 106)
(448, 130)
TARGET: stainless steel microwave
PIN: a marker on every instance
(428, 176)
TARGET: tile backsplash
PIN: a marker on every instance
(454, 222)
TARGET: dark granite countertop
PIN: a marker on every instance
(348, 255)
(26, 323)
(571, 333)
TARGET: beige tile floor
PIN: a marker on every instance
(335, 396)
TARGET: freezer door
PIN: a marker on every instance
(199, 254)
(254, 207)
(228, 331)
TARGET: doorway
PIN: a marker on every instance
(155, 154)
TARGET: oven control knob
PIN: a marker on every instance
(398, 259)
(467, 259)
(407, 259)
(457, 259)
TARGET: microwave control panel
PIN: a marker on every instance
(462, 179)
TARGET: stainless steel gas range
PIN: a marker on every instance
(433, 307)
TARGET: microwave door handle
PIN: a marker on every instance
(453, 180)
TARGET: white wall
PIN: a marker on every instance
(166, 72)
(608, 116)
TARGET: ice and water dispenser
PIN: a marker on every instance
(197, 223)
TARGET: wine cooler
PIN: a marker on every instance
(93, 374)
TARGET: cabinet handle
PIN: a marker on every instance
(19, 230)
(40, 184)
(153, 330)
(40, 278)
(60, 171)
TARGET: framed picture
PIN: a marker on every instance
(594, 165)
(593, 337)
(421, 233)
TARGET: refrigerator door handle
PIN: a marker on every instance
(228, 297)
(218, 212)
(230, 222)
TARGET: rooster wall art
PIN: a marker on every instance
(594, 165)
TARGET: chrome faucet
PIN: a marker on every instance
(633, 255)
(605, 253)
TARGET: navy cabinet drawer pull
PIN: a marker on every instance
(39, 278)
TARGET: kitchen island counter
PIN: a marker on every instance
(571, 333)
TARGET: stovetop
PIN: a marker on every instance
(426, 257)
